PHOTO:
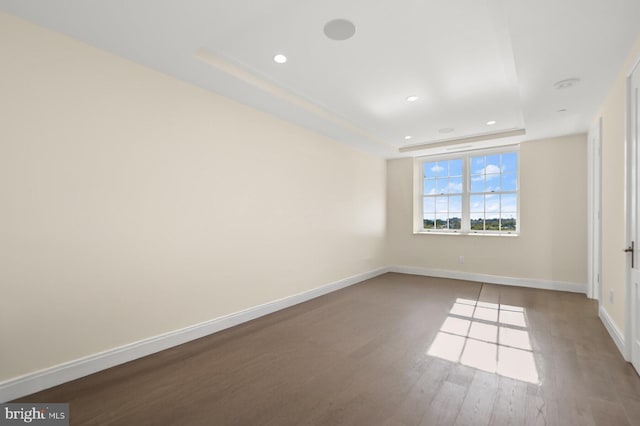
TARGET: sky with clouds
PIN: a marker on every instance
(489, 174)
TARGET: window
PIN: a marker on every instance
(471, 193)
(442, 202)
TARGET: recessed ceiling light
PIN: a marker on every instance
(339, 29)
(566, 83)
(407, 137)
(280, 58)
(491, 122)
(562, 110)
(412, 98)
(446, 130)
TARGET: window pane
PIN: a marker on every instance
(509, 182)
(455, 203)
(492, 215)
(429, 222)
(455, 185)
(508, 222)
(492, 205)
(429, 186)
(476, 203)
(477, 165)
(510, 163)
(477, 183)
(442, 186)
(428, 205)
(429, 169)
(492, 164)
(492, 224)
(477, 223)
(492, 182)
(509, 203)
(441, 221)
(442, 204)
(441, 169)
(455, 167)
(455, 220)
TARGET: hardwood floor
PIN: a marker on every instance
(371, 354)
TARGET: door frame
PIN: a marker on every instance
(630, 201)
(594, 212)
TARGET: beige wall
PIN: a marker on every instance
(552, 243)
(613, 112)
(134, 204)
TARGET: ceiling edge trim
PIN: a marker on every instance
(468, 139)
(282, 94)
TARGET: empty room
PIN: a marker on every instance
(319, 213)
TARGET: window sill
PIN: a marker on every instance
(480, 234)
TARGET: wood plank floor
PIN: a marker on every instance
(393, 350)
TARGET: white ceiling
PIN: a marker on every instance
(468, 61)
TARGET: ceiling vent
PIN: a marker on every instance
(567, 83)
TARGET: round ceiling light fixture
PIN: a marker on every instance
(339, 29)
(407, 137)
(491, 122)
(280, 58)
(446, 130)
(412, 98)
(566, 83)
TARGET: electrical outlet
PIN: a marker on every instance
(461, 259)
(610, 296)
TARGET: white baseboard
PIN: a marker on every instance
(614, 331)
(492, 279)
(43, 379)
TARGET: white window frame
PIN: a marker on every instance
(465, 227)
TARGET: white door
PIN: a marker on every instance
(633, 288)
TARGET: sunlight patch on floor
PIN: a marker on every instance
(488, 336)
